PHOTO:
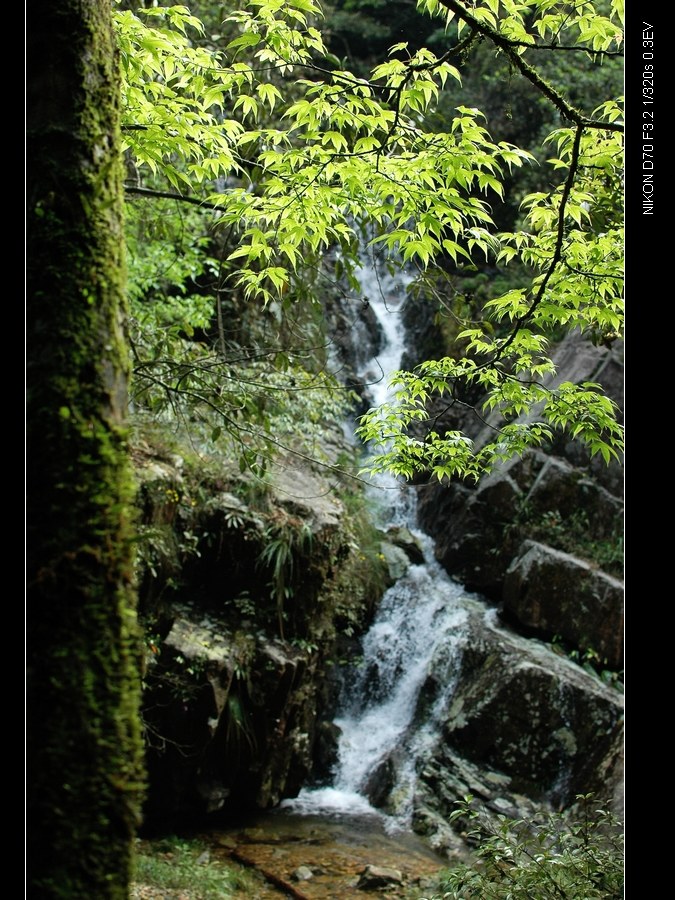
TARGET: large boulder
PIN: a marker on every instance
(504, 718)
(522, 728)
(228, 719)
(472, 527)
(551, 593)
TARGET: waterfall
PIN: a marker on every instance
(382, 729)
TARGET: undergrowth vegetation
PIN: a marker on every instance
(185, 864)
(564, 857)
(575, 533)
(572, 855)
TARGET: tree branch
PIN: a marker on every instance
(557, 251)
(571, 113)
(169, 195)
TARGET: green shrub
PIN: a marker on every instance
(564, 857)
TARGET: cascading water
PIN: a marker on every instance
(381, 731)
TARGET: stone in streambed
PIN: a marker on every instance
(303, 873)
(374, 877)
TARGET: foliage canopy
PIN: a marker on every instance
(300, 162)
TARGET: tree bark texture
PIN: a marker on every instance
(84, 749)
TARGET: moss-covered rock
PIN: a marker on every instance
(246, 597)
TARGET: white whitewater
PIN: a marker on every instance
(417, 618)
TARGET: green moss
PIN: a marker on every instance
(84, 743)
(574, 534)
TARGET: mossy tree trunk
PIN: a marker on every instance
(84, 757)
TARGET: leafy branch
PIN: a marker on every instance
(510, 48)
(521, 321)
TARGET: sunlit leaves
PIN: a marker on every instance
(573, 245)
(342, 152)
(299, 158)
(552, 22)
(585, 289)
(173, 96)
(520, 415)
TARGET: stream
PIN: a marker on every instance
(380, 735)
(334, 832)
(322, 857)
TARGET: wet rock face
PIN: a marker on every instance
(402, 537)
(381, 782)
(326, 752)
(356, 338)
(525, 727)
(471, 526)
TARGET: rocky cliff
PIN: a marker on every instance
(245, 592)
